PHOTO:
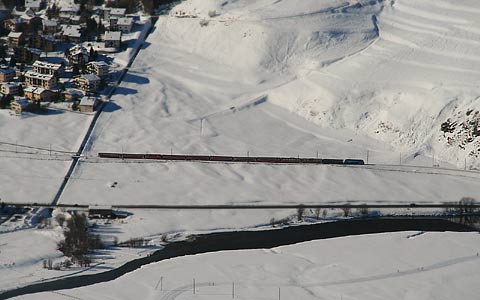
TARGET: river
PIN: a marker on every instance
(239, 240)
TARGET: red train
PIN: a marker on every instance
(219, 158)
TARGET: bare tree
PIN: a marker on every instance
(300, 213)
(346, 210)
(317, 212)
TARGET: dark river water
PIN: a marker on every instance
(238, 240)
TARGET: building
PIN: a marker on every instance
(40, 80)
(27, 55)
(20, 105)
(15, 39)
(98, 68)
(71, 95)
(46, 68)
(34, 5)
(15, 24)
(113, 39)
(71, 33)
(88, 104)
(114, 13)
(48, 43)
(7, 74)
(10, 88)
(88, 83)
(50, 26)
(78, 55)
(98, 212)
(124, 25)
(38, 94)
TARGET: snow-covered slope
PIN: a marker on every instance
(404, 265)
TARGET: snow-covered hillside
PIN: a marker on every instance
(394, 70)
(404, 265)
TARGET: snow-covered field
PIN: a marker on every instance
(404, 265)
(241, 85)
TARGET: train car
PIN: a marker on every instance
(351, 161)
(330, 161)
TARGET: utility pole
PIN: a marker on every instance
(233, 290)
(317, 154)
(201, 127)
(278, 293)
(400, 158)
(367, 156)
(194, 286)
(465, 164)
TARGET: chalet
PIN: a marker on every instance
(6, 74)
(48, 43)
(88, 82)
(98, 68)
(48, 68)
(44, 42)
(113, 39)
(15, 24)
(10, 88)
(34, 5)
(50, 26)
(15, 39)
(88, 104)
(27, 55)
(38, 94)
(71, 33)
(20, 105)
(114, 13)
(75, 20)
(72, 95)
(78, 55)
(40, 80)
(124, 25)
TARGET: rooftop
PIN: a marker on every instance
(32, 74)
(125, 21)
(43, 64)
(90, 77)
(118, 11)
(14, 34)
(90, 101)
(7, 70)
(71, 30)
(113, 36)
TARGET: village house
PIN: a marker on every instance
(114, 13)
(7, 74)
(19, 105)
(46, 68)
(113, 39)
(15, 39)
(71, 33)
(34, 5)
(88, 82)
(124, 25)
(71, 95)
(15, 24)
(10, 88)
(38, 94)
(78, 55)
(50, 26)
(44, 42)
(40, 80)
(88, 104)
(27, 55)
(98, 68)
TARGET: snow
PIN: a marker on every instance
(401, 265)
(241, 85)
